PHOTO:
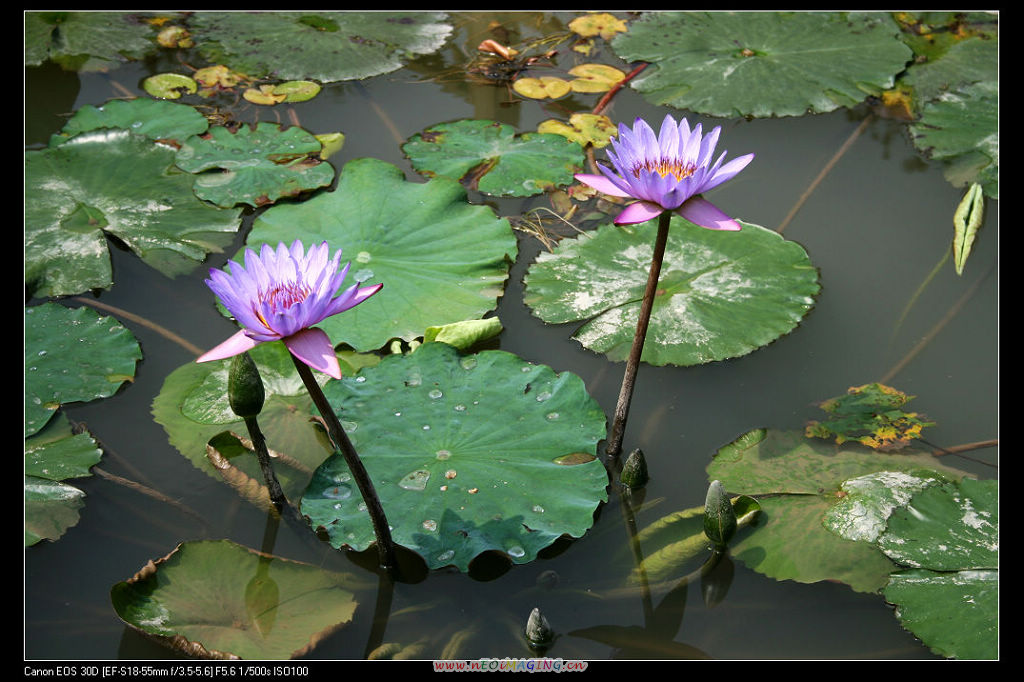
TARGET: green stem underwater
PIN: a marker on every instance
(614, 446)
(385, 546)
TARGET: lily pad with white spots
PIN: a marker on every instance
(801, 485)
(763, 63)
(317, 45)
(255, 166)
(154, 119)
(112, 183)
(469, 454)
(493, 159)
(441, 259)
(72, 355)
(720, 295)
(217, 599)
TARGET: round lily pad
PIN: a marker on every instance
(468, 454)
(155, 119)
(502, 163)
(255, 166)
(113, 182)
(72, 355)
(441, 259)
(217, 599)
(763, 63)
(316, 45)
(720, 295)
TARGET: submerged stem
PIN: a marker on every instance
(614, 446)
(385, 546)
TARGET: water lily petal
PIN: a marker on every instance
(236, 344)
(601, 184)
(640, 212)
(700, 211)
(313, 347)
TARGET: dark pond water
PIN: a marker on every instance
(876, 226)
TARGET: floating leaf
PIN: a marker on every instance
(265, 94)
(797, 482)
(546, 87)
(872, 408)
(963, 63)
(254, 166)
(454, 480)
(53, 455)
(867, 501)
(389, 228)
(297, 91)
(962, 130)
(200, 601)
(948, 527)
(502, 163)
(170, 85)
(721, 294)
(594, 77)
(155, 119)
(598, 24)
(112, 182)
(216, 78)
(966, 222)
(463, 335)
(954, 614)
(72, 355)
(193, 408)
(763, 63)
(320, 46)
(86, 41)
(583, 129)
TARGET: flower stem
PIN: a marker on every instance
(385, 546)
(259, 445)
(614, 446)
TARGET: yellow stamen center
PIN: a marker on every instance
(665, 167)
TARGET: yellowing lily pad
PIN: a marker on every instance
(599, 24)
(583, 128)
(546, 87)
(594, 77)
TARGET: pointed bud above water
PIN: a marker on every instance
(245, 387)
(538, 633)
(634, 470)
(719, 516)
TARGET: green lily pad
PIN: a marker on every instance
(503, 163)
(254, 166)
(798, 481)
(962, 129)
(954, 614)
(72, 355)
(720, 295)
(948, 527)
(87, 41)
(154, 119)
(454, 480)
(193, 408)
(763, 63)
(111, 182)
(441, 259)
(53, 455)
(217, 599)
(170, 85)
(319, 46)
(964, 62)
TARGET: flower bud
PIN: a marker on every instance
(634, 470)
(245, 387)
(538, 633)
(719, 516)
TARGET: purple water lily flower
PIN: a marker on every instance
(667, 172)
(279, 295)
